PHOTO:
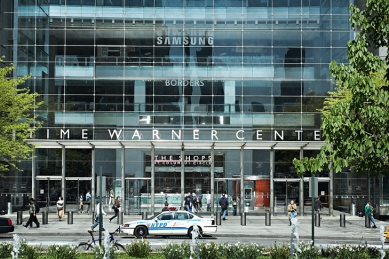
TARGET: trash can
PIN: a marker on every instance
(317, 220)
(247, 207)
(353, 209)
(70, 217)
(243, 219)
(9, 211)
(367, 222)
(343, 220)
(144, 215)
(45, 217)
(120, 218)
(19, 217)
(218, 218)
(267, 219)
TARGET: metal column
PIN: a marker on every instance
(212, 178)
(182, 175)
(301, 189)
(272, 208)
(152, 180)
(241, 178)
(33, 175)
(93, 189)
(123, 204)
(331, 192)
(63, 173)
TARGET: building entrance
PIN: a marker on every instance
(47, 191)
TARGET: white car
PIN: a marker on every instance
(170, 223)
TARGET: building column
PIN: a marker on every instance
(152, 201)
(63, 174)
(33, 175)
(93, 181)
(331, 192)
(272, 209)
(301, 189)
(182, 176)
(241, 205)
(212, 179)
(123, 204)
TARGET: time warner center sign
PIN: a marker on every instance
(179, 135)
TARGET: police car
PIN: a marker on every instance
(170, 223)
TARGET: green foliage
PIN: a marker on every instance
(173, 251)
(140, 249)
(308, 251)
(29, 252)
(209, 250)
(355, 120)
(279, 251)
(241, 251)
(99, 252)
(61, 252)
(16, 118)
(5, 250)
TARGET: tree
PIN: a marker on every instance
(16, 118)
(355, 124)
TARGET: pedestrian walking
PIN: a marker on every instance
(234, 204)
(88, 198)
(188, 202)
(224, 205)
(208, 197)
(116, 207)
(369, 213)
(111, 198)
(292, 211)
(98, 215)
(32, 217)
(317, 205)
(60, 204)
(197, 205)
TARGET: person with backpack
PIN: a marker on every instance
(224, 205)
(33, 210)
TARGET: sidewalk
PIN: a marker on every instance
(255, 226)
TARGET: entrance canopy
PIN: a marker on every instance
(178, 145)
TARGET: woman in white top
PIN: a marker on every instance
(60, 208)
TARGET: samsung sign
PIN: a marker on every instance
(177, 37)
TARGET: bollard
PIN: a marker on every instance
(144, 215)
(120, 218)
(317, 220)
(267, 219)
(45, 217)
(9, 208)
(70, 217)
(218, 218)
(367, 222)
(243, 219)
(19, 217)
(343, 220)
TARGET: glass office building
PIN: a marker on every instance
(158, 98)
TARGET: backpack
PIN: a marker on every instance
(224, 203)
(37, 209)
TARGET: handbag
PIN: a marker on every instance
(113, 207)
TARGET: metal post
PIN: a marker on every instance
(242, 179)
(267, 219)
(144, 215)
(70, 217)
(19, 217)
(212, 179)
(120, 218)
(100, 204)
(343, 220)
(313, 183)
(152, 193)
(218, 218)
(367, 222)
(317, 220)
(9, 208)
(243, 218)
(45, 217)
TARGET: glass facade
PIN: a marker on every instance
(157, 98)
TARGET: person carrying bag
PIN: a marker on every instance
(292, 211)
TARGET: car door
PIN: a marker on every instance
(162, 224)
(181, 223)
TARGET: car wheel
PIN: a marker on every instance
(190, 232)
(140, 232)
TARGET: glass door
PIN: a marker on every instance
(284, 193)
(47, 192)
(137, 195)
(76, 190)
